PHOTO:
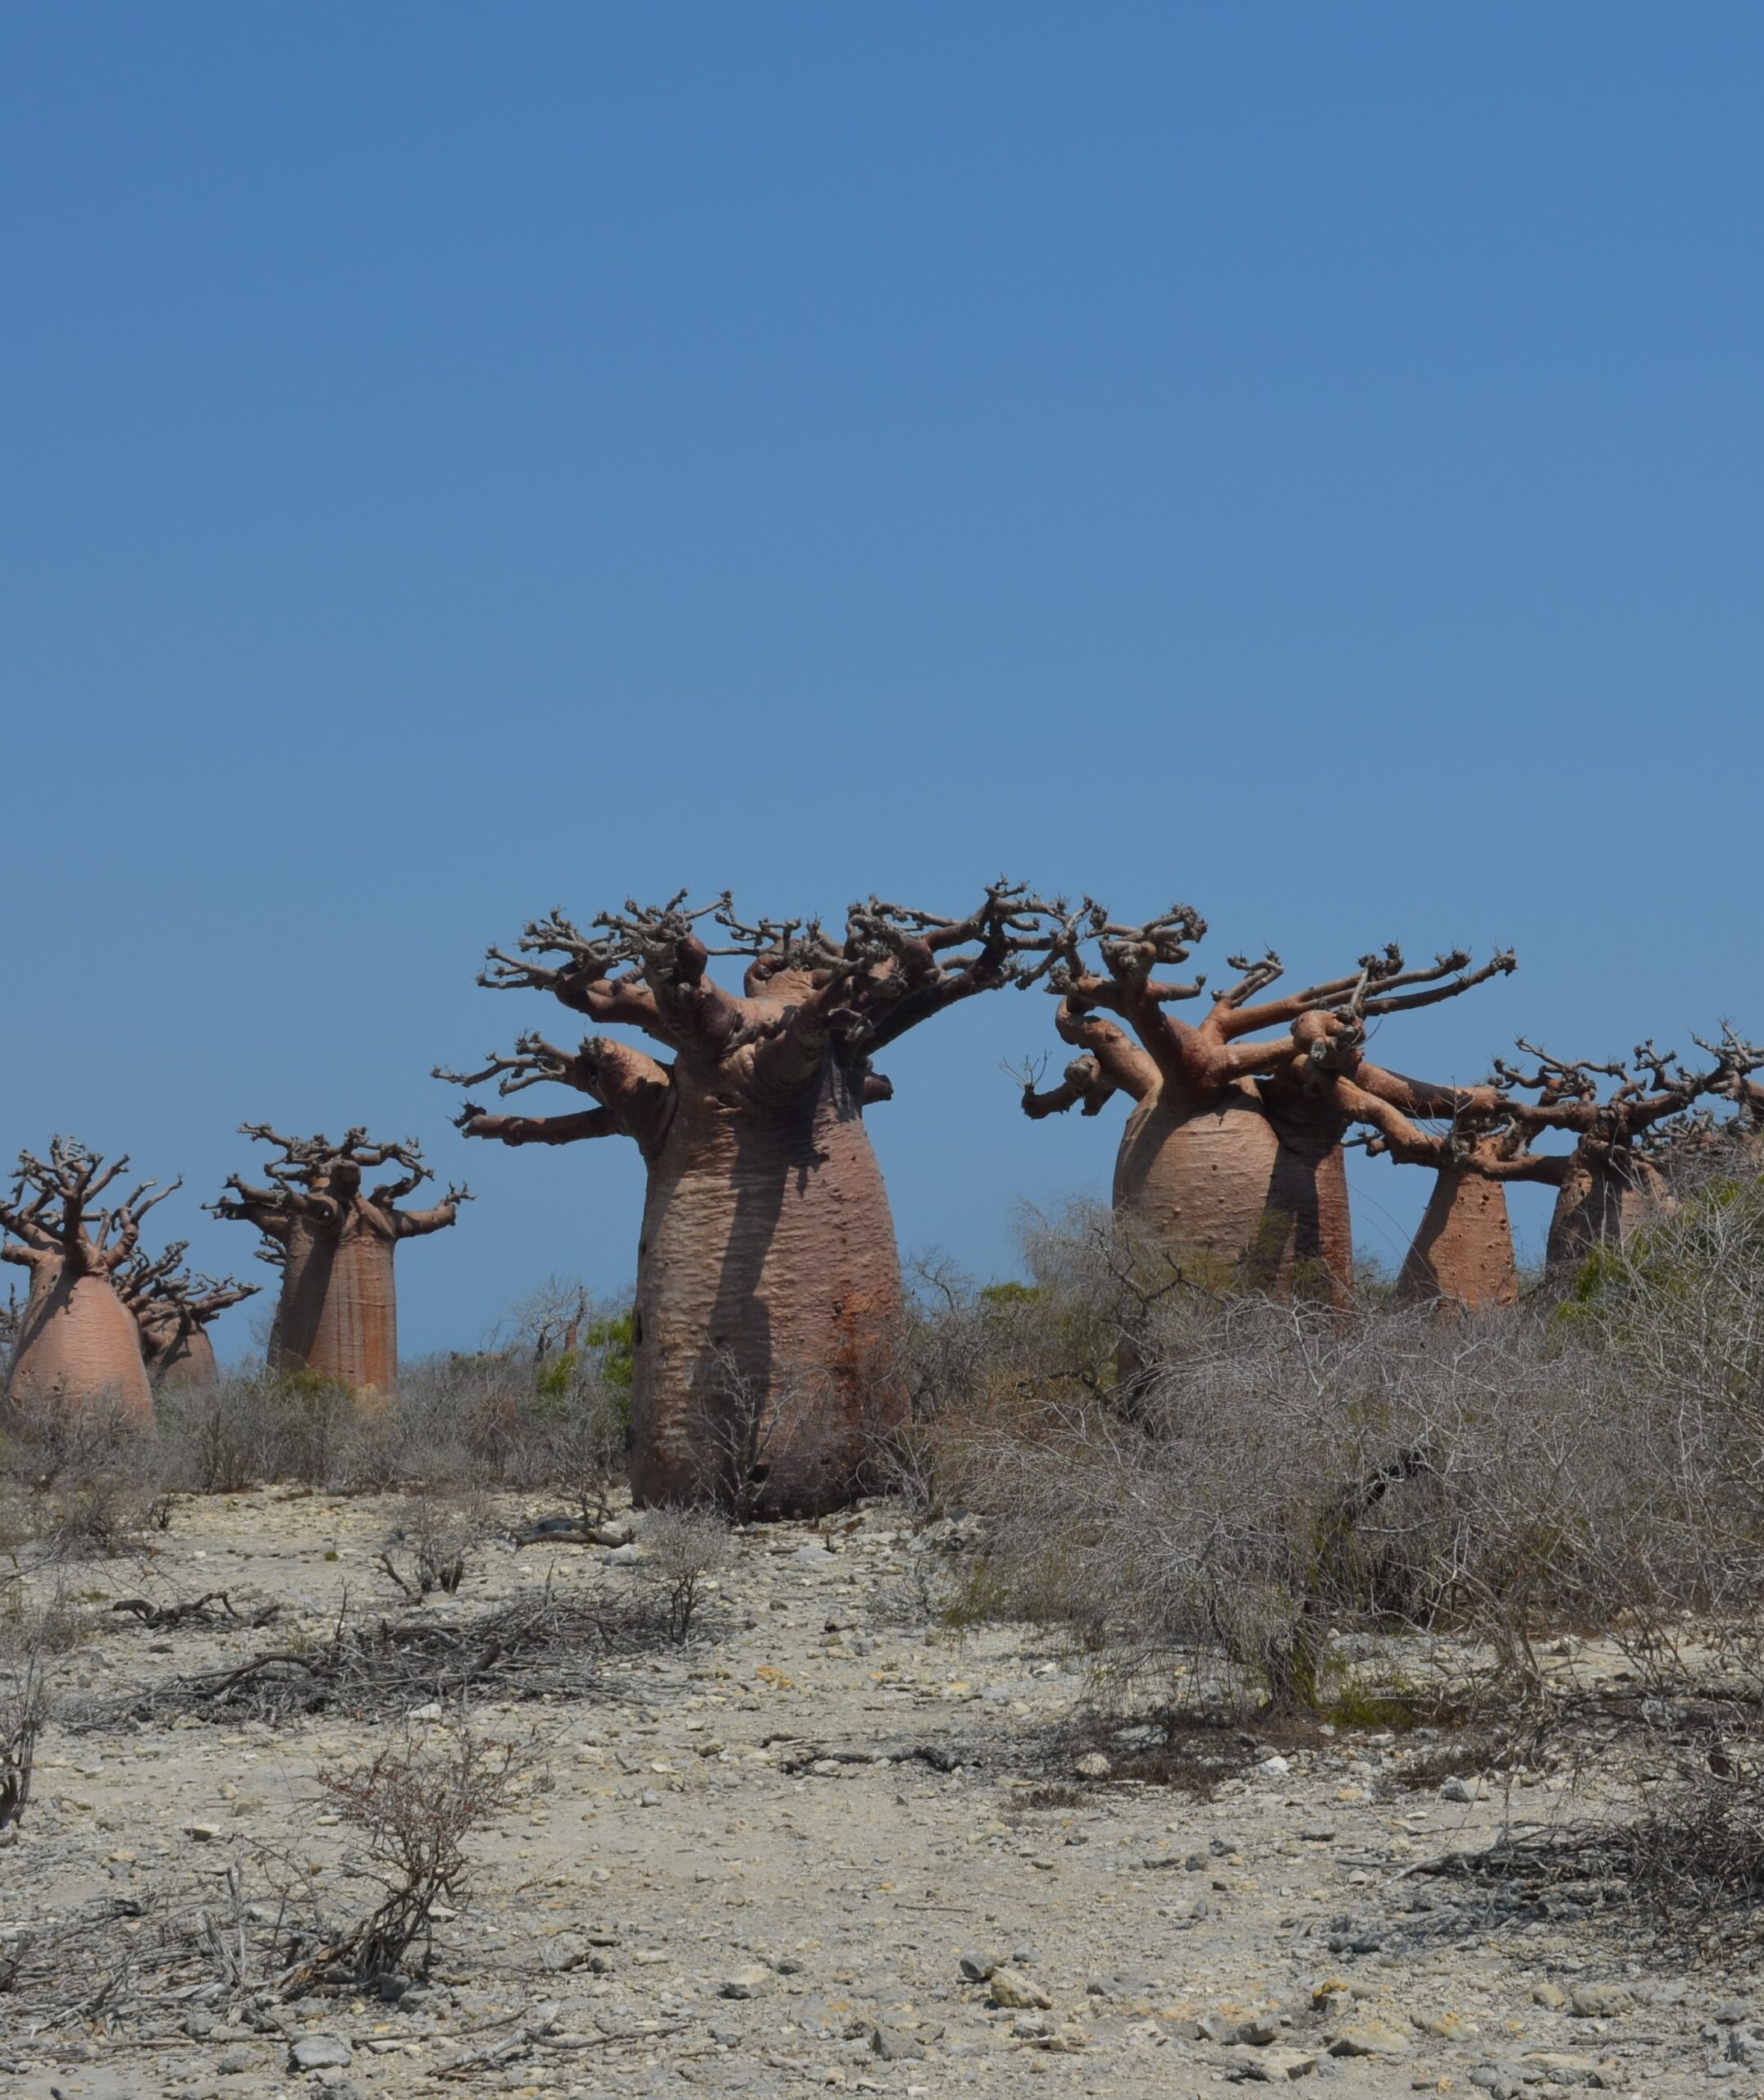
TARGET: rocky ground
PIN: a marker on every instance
(826, 1844)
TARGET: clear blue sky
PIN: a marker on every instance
(459, 460)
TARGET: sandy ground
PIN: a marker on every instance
(744, 1870)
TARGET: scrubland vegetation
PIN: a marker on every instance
(1236, 1513)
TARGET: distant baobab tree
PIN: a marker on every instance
(769, 1283)
(1605, 1181)
(334, 1241)
(1232, 1158)
(76, 1345)
(174, 1308)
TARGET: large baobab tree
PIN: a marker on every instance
(1231, 1155)
(77, 1345)
(173, 1308)
(1605, 1181)
(334, 1241)
(767, 1279)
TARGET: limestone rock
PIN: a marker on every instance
(320, 2052)
(1599, 2002)
(1015, 1991)
(1270, 2066)
(1368, 2037)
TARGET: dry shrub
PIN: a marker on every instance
(30, 1637)
(527, 1414)
(415, 1803)
(1260, 1479)
(82, 1483)
(1694, 1854)
(429, 1548)
(684, 1551)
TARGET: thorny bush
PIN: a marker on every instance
(684, 1551)
(1261, 1480)
(415, 1803)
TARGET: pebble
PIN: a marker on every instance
(1271, 2066)
(1599, 2002)
(320, 2052)
(747, 1983)
(1368, 2037)
(1446, 2026)
(1011, 1988)
(1563, 2070)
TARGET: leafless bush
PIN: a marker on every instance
(30, 1637)
(684, 1551)
(1695, 1854)
(85, 1482)
(1682, 1301)
(1262, 1478)
(1103, 1301)
(257, 1426)
(429, 1548)
(504, 1417)
(416, 1802)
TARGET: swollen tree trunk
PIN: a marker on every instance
(180, 1354)
(337, 1313)
(1236, 1198)
(1600, 1201)
(337, 1316)
(1462, 1252)
(768, 1287)
(1233, 1156)
(78, 1347)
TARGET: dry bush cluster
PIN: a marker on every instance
(528, 1413)
(1214, 1494)
(414, 1802)
(269, 1929)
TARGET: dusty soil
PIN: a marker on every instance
(757, 1864)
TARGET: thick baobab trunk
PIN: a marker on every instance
(1235, 1197)
(767, 1283)
(1462, 1252)
(1599, 1203)
(78, 1347)
(187, 1359)
(338, 1313)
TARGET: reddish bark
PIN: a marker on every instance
(77, 1346)
(173, 1307)
(1606, 1183)
(334, 1241)
(1232, 1153)
(1462, 1252)
(767, 1281)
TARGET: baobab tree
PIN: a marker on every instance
(334, 1242)
(768, 1279)
(1231, 1155)
(1604, 1182)
(173, 1307)
(77, 1346)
